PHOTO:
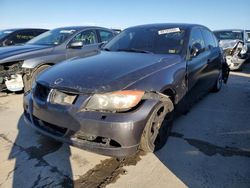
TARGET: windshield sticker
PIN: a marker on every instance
(236, 31)
(7, 32)
(172, 30)
(172, 51)
(25, 37)
(67, 31)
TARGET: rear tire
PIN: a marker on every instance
(218, 84)
(28, 83)
(158, 127)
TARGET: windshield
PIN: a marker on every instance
(229, 35)
(4, 33)
(148, 40)
(53, 37)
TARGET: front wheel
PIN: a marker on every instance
(157, 128)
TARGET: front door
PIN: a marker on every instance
(197, 64)
(90, 44)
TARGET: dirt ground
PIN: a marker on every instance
(208, 147)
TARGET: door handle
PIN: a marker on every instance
(208, 61)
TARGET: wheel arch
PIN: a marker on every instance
(171, 93)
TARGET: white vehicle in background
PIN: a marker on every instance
(234, 45)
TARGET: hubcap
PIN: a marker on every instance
(219, 81)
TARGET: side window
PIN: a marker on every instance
(87, 37)
(215, 40)
(209, 38)
(36, 33)
(105, 36)
(22, 37)
(196, 38)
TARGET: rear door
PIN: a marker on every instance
(196, 66)
(90, 43)
(214, 65)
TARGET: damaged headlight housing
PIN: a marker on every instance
(115, 101)
(58, 97)
(244, 49)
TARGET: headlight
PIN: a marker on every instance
(58, 97)
(244, 49)
(115, 101)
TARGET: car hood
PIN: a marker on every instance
(105, 72)
(17, 52)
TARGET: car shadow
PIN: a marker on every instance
(39, 161)
(210, 146)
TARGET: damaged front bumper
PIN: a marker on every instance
(112, 134)
(11, 76)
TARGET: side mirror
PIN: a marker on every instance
(101, 44)
(8, 42)
(195, 49)
(248, 40)
(76, 44)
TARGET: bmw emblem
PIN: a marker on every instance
(58, 81)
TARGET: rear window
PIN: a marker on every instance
(105, 35)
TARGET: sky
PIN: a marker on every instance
(215, 14)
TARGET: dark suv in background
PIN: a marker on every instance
(122, 98)
(11, 37)
(19, 65)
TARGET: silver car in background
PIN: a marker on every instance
(234, 44)
(20, 65)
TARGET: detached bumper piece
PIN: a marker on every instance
(11, 76)
(15, 83)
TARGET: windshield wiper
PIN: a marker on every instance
(134, 50)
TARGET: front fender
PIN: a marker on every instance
(38, 61)
(32, 63)
(172, 77)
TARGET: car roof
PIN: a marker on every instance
(229, 30)
(183, 25)
(19, 29)
(78, 28)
